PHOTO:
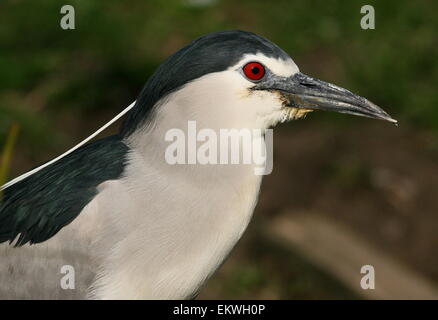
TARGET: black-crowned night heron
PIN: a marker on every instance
(133, 225)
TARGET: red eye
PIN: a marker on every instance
(254, 70)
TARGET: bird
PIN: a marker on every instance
(130, 224)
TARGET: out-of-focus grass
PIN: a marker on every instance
(6, 155)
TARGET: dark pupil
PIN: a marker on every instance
(255, 70)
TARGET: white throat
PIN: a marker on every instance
(195, 214)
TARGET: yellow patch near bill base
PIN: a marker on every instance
(296, 113)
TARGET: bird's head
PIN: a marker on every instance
(239, 79)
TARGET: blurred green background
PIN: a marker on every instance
(60, 85)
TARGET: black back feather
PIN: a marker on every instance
(36, 208)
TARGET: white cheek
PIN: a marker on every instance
(211, 101)
(264, 106)
(235, 104)
(222, 100)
